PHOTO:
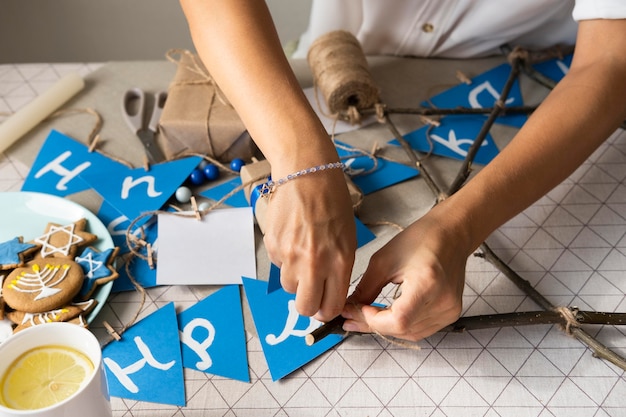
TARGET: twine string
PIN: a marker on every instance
(341, 73)
(97, 126)
(197, 68)
(569, 315)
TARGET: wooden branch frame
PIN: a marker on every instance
(519, 60)
(569, 319)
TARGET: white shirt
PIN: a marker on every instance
(454, 28)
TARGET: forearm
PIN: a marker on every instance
(238, 44)
(576, 117)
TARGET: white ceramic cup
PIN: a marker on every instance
(91, 400)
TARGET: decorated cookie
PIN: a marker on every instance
(63, 241)
(79, 320)
(13, 252)
(42, 285)
(67, 313)
(98, 269)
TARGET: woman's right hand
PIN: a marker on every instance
(310, 231)
(311, 235)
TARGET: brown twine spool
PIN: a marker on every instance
(342, 74)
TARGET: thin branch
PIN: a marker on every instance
(521, 283)
(598, 348)
(526, 318)
(412, 154)
(429, 111)
(465, 170)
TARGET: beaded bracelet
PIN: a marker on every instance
(270, 186)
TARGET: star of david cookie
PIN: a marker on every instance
(42, 284)
(63, 241)
(13, 252)
(98, 269)
(24, 320)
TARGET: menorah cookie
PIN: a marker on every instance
(42, 284)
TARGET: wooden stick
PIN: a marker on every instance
(488, 321)
(429, 111)
(332, 327)
(526, 318)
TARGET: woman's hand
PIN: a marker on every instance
(428, 260)
(310, 234)
(310, 230)
(429, 257)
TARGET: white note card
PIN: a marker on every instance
(217, 250)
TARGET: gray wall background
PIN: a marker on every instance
(111, 30)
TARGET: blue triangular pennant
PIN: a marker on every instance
(483, 91)
(363, 234)
(60, 163)
(372, 175)
(273, 281)
(135, 191)
(116, 223)
(140, 271)
(146, 364)
(138, 267)
(282, 330)
(212, 335)
(555, 69)
(452, 138)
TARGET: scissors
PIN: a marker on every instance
(134, 111)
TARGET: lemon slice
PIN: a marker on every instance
(44, 376)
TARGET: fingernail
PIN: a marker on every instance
(347, 314)
(350, 326)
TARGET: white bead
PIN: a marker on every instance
(183, 195)
(205, 205)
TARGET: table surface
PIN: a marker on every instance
(571, 245)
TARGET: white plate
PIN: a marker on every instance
(27, 214)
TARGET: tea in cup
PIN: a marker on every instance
(53, 370)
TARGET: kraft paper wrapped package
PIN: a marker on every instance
(197, 118)
(256, 174)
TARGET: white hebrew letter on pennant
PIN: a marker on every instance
(290, 326)
(66, 174)
(454, 144)
(129, 183)
(352, 171)
(122, 374)
(114, 231)
(485, 86)
(200, 348)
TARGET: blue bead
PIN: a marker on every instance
(197, 177)
(211, 172)
(236, 164)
